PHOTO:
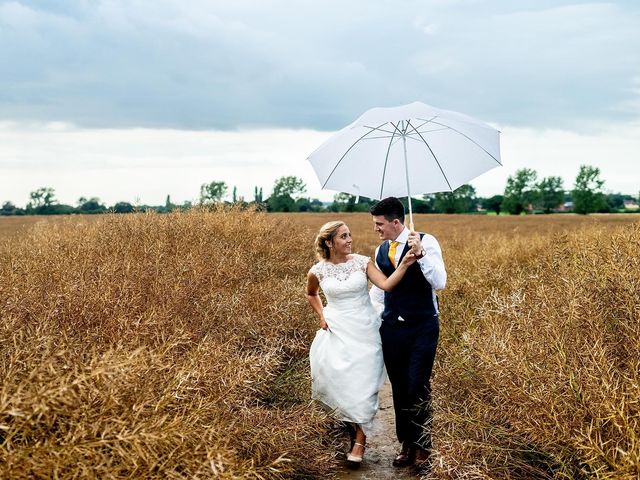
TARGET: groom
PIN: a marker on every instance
(410, 327)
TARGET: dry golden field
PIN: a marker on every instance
(175, 346)
(10, 226)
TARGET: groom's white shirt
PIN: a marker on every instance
(431, 265)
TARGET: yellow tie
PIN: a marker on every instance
(392, 253)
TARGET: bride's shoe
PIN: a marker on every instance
(355, 460)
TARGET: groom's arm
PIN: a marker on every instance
(432, 264)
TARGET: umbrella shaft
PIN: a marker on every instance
(406, 173)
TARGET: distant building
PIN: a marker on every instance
(631, 205)
(565, 207)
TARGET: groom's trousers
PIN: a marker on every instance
(409, 350)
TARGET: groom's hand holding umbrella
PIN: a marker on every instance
(415, 244)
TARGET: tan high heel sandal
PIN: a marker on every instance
(356, 460)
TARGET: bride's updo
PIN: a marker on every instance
(327, 232)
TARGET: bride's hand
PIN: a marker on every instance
(409, 259)
(324, 325)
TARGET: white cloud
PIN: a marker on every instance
(204, 64)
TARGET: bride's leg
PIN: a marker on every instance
(361, 440)
(351, 428)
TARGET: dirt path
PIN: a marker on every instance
(382, 447)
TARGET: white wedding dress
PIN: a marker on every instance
(347, 368)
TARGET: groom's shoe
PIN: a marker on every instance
(422, 462)
(406, 457)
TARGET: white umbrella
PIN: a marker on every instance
(406, 150)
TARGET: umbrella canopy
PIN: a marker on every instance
(407, 150)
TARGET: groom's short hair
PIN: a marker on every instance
(390, 207)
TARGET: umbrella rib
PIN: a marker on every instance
(412, 137)
(348, 150)
(386, 159)
(471, 140)
(425, 121)
(430, 131)
(378, 138)
(378, 128)
(434, 157)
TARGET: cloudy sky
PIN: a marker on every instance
(134, 100)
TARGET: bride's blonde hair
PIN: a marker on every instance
(326, 233)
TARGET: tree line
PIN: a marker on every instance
(523, 193)
(42, 201)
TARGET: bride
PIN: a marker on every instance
(347, 368)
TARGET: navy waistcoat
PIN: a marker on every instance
(412, 298)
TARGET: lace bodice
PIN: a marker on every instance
(344, 284)
(340, 271)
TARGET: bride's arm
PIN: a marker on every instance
(387, 284)
(313, 297)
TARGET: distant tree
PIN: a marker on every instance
(493, 203)
(550, 193)
(90, 206)
(317, 205)
(168, 206)
(466, 198)
(43, 202)
(8, 208)
(284, 190)
(520, 191)
(587, 192)
(212, 192)
(424, 205)
(461, 200)
(615, 201)
(42, 197)
(345, 202)
(302, 205)
(57, 209)
(123, 207)
(289, 185)
(444, 202)
(234, 195)
(257, 194)
(283, 203)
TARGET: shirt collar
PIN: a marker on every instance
(403, 237)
